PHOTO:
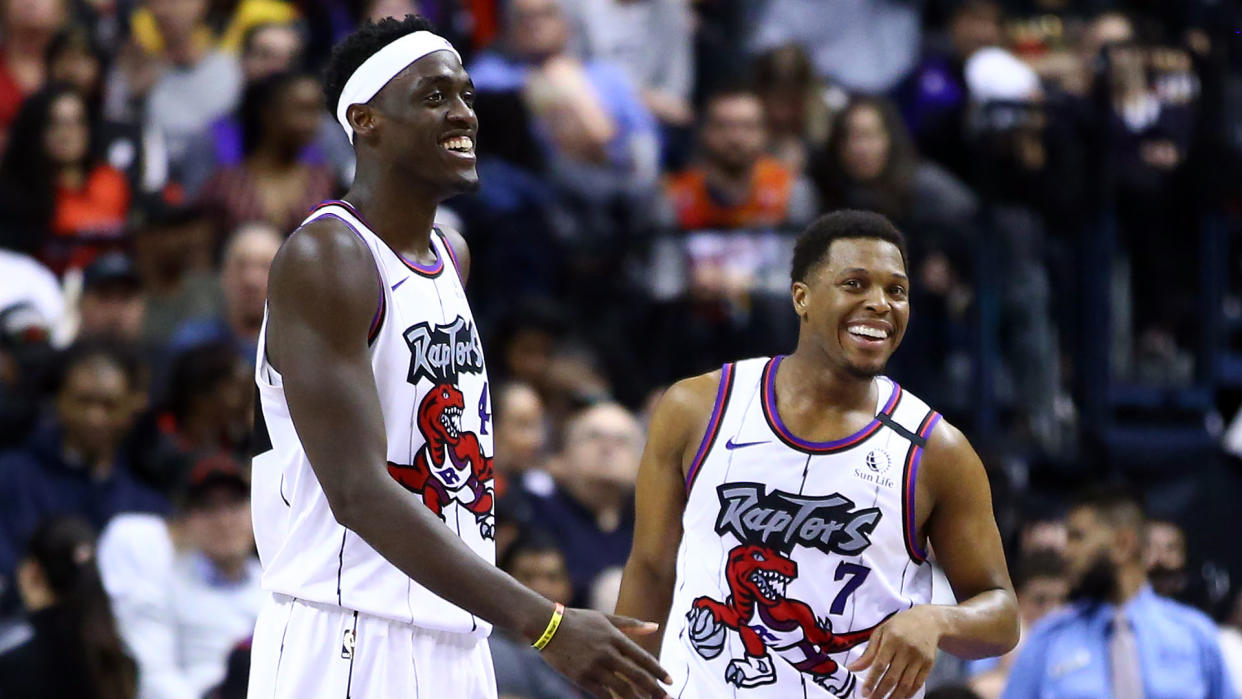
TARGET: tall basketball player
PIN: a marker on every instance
(373, 479)
(785, 505)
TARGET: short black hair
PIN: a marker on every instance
(363, 43)
(119, 355)
(197, 372)
(812, 245)
(532, 540)
(258, 97)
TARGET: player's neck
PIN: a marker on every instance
(402, 218)
(819, 383)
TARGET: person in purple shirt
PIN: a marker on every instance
(1118, 638)
(74, 464)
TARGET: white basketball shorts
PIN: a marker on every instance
(303, 650)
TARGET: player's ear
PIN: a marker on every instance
(799, 292)
(361, 119)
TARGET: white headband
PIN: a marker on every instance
(382, 67)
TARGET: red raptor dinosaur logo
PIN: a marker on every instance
(758, 610)
(451, 467)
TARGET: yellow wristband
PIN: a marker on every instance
(553, 624)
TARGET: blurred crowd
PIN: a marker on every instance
(645, 165)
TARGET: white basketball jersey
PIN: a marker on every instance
(793, 551)
(432, 382)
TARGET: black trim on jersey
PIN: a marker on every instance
(281, 490)
(353, 653)
(340, 565)
(893, 425)
(260, 438)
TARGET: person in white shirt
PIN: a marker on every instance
(186, 591)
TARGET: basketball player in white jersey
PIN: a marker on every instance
(372, 495)
(785, 505)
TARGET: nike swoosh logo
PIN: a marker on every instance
(738, 445)
(394, 286)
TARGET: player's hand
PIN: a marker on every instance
(900, 654)
(592, 650)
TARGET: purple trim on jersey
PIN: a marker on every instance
(377, 320)
(429, 270)
(713, 424)
(778, 426)
(452, 253)
(912, 475)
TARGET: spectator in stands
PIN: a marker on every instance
(599, 138)
(173, 249)
(76, 57)
(521, 437)
(1165, 557)
(592, 508)
(870, 163)
(74, 463)
(66, 205)
(1042, 533)
(28, 27)
(196, 85)
(796, 104)
(185, 590)
(209, 393)
(248, 256)
(280, 116)
(223, 26)
(268, 49)
(112, 305)
(864, 45)
(536, 562)
(652, 40)
(1041, 587)
(75, 650)
(733, 184)
(1108, 641)
(934, 98)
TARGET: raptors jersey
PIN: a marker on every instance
(432, 383)
(793, 551)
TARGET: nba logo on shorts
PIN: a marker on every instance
(347, 645)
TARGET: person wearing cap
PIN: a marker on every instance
(112, 304)
(185, 590)
(373, 490)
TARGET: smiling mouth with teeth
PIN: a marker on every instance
(771, 584)
(869, 332)
(460, 144)
(450, 419)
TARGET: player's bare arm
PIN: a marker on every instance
(679, 420)
(959, 523)
(323, 291)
